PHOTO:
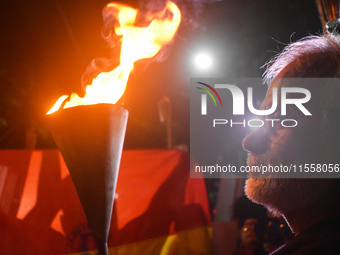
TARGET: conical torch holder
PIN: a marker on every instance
(90, 139)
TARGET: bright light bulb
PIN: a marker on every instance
(203, 61)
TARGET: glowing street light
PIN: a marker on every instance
(203, 61)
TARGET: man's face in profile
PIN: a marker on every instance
(308, 143)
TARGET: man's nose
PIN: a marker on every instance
(256, 142)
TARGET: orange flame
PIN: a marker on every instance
(136, 43)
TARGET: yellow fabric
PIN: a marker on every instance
(196, 241)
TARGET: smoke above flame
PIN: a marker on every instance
(136, 43)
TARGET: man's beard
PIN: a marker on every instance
(282, 196)
(287, 195)
(270, 192)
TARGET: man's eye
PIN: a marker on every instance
(279, 126)
(274, 126)
(276, 114)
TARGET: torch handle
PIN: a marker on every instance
(102, 248)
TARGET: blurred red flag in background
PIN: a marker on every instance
(158, 209)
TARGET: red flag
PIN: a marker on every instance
(158, 208)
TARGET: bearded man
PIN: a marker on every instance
(310, 206)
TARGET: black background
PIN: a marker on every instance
(45, 46)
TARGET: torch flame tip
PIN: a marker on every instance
(136, 43)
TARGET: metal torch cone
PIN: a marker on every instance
(90, 139)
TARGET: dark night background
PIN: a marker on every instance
(45, 47)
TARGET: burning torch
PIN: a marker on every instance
(89, 131)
